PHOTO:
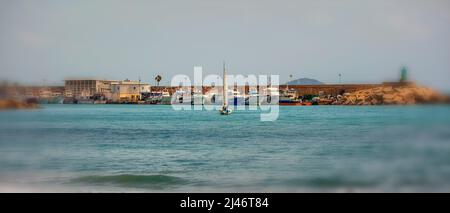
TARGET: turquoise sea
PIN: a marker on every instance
(152, 148)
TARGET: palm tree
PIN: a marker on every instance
(158, 79)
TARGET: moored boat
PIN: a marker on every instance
(166, 97)
(291, 103)
(181, 97)
(289, 98)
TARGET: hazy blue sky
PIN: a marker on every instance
(366, 41)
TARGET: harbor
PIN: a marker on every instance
(135, 92)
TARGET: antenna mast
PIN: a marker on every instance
(225, 86)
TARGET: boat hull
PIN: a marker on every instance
(291, 104)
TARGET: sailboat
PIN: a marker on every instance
(225, 110)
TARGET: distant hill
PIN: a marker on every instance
(304, 81)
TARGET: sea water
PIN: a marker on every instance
(153, 148)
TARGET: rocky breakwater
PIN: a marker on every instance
(392, 95)
(17, 104)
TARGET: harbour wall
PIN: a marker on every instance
(302, 90)
(326, 89)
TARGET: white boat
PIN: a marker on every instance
(272, 91)
(198, 99)
(211, 98)
(252, 98)
(181, 97)
(270, 95)
(225, 110)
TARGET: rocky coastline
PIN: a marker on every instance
(408, 94)
(17, 104)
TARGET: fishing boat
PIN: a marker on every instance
(151, 97)
(225, 110)
(289, 98)
(166, 97)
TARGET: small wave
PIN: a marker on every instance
(128, 180)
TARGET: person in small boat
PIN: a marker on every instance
(225, 110)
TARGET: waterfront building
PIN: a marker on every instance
(87, 88)
(128, 91)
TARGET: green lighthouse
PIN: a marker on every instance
(404, 74)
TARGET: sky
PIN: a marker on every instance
(367, 41)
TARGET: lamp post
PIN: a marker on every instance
(139, 85)
(290, 79)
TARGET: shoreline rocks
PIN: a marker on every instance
(16, 104)
(393, 95)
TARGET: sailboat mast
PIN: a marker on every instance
(225, 86)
